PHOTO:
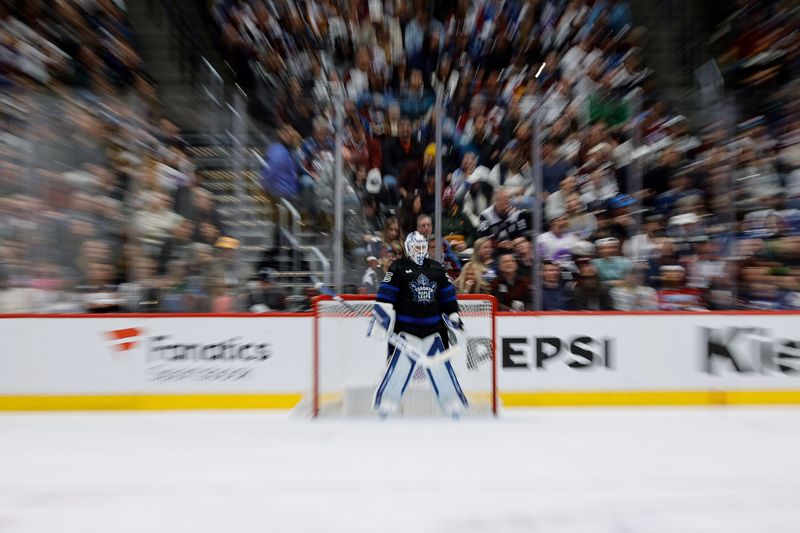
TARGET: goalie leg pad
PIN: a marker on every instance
(445, 383)
(393, 385)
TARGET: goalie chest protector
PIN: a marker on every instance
(419, 294)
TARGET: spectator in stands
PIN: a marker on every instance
(590, 295)
(704, 268)
(512, 290)
(425, 225)
(643, 246)
(512, 173)
(679, 189)
(460, 178)
(373, 217)
(155, 222)
(674, 295)
(410, 210)
(428, 194)
(601, 187)
(178, 246)
(621, 223)
(667, 255)
(486, 143)
(222, 297)
(235, 273)
(483, 258)
(99, 294)
(402, 157)
(633, 295)
(478, 195)
(471, 281)
(313, 150)
(280, 173)
(501, 222)
(555, 295)
(392, 124)
(416, 99)
(359, 149)
(373, 275)
(391, 236)
(557, 200)
(612, 268)
(762, 296)
(523, 248)
(555, 245)
(143, 294)
(456, 226)
(580, 222)
(450, 260)
(267, 295)
(554, 168)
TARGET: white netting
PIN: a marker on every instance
(350, 365)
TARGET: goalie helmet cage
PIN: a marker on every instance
(347, 365)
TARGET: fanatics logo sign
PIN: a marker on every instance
(123, 340)
(168, 360)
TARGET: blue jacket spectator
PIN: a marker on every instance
(280, 171)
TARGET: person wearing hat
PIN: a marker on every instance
(674, 295)
(372, 276)
(621, 222)
(612, 268)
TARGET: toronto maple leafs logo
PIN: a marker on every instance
(423, 289)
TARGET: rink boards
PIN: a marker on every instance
(265, 361)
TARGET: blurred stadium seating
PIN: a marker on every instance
(108, 206)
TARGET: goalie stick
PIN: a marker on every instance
(425, 361)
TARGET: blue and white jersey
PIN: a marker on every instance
(419, 294)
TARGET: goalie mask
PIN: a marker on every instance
(416, 247)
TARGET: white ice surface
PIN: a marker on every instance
(550, 471)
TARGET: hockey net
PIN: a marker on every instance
(348, 365)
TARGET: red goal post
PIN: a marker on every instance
(347, 366)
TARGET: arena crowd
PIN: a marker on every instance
(643, 208)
